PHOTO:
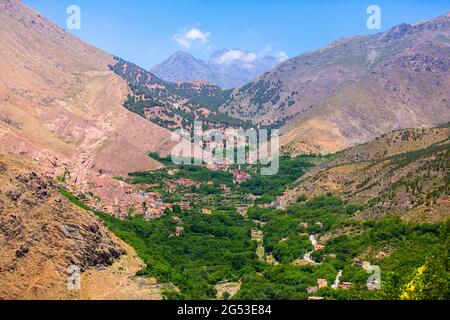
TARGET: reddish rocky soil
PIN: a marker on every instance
(61, 105)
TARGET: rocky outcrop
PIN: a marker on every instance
(42, 234)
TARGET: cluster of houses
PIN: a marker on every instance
(121, 200)
(187, 182)
(157, 210)
(321, 283)
(239, 176)
(150, 205)
(173, 185)
(218, 166)
(133, 200)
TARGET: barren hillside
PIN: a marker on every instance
(60, 103)
(354, 89)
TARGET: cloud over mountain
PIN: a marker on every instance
(191, 36)
(227, 68)
(235, 55)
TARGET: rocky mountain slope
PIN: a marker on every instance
(355, 89)
(226, 68)
(61, 104)
(174, 105)
(405, 172)
(42, 234)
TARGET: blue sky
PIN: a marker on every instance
(148, 31)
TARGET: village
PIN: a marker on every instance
(123, 198)
(204, 190)
(372, 284)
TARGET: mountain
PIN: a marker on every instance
(174, 105)
(81, 112)
(62, 119)
(182, 67)
(226, 68)
(61, 104)
(42, 234)
(405, 172)
(354, 89)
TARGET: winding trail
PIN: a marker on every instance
(307, 255)
(337, 281)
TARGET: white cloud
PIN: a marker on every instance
(248, 59)
(266, 50)
(232, 56)
(282, 56)
(191, 36)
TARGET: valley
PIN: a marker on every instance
(197, 252)
(284, 249)
(358, 208)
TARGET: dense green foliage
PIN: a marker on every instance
(412, 246)
(290, 169)
(217, 248)
(195, 173)
(211, 249)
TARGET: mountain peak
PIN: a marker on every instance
(227, 68)
(182, 54)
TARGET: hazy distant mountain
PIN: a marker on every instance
(182, 67)
(226, 68)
